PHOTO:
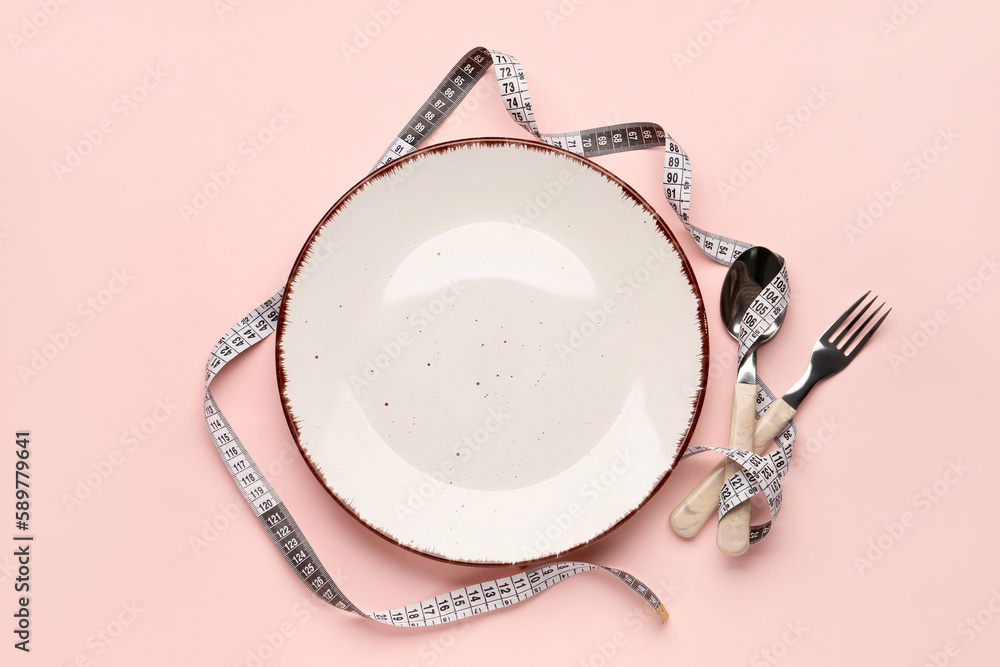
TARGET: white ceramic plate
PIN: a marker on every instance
(492, 351)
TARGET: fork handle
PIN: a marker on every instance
(694, 511)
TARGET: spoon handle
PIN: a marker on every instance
(734, 527)
(701, 503)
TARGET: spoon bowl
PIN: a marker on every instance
(745, 280)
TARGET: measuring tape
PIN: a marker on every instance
(761, 473)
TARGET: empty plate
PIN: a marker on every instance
(492, 351)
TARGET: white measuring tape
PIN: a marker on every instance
(761, 473)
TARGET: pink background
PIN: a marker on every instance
(871, 441)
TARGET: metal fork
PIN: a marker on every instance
(830, 355)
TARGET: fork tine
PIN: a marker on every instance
(861, 343)
(843, 318)
(861, 328)
(857, 318)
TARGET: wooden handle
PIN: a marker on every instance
(771, 424)
(694, 511)
(734, 528)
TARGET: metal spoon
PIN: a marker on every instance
(745, 280)
(703, 500)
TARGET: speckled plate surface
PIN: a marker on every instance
(492, 351)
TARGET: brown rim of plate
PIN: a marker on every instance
(534, 145)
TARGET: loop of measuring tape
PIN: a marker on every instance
(762, 473)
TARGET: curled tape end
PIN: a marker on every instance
(661, 611)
